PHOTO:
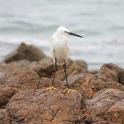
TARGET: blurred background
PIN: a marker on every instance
(101, 22)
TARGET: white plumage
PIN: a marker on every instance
(59, 45)
(60, 52)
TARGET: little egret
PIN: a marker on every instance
(60, 52)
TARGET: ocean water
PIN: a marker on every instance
(101, 22)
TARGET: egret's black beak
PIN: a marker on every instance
(74, 34)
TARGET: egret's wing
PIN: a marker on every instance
(50, 40)
(52, 53)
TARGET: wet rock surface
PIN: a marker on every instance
(98, 97)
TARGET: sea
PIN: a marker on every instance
(100, 22)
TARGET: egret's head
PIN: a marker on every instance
(64, 31)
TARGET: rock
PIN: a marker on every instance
(25, 74)
(84, 83)
(109, 76)
(109, 72)
(16, 81)
(90, 83)
(3, 69)
(99, 98)
(73, 68)
(46, 68)
(28, 107)
(2, 78)
(44, 83)
(93, 71)
(107, 106)
(22, 65)
(5, 95)
(25, 52)
(100, 84)
(21, 79)
(4, 117)
(121, 76)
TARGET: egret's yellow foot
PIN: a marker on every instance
(51, 88)
(67, 90)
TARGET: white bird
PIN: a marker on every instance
(60, 51)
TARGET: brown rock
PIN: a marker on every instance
(107, 106)
(25, 52)
(90, 83)
(44, 83)
(20, 65)
(100, 84)
(21, 79)
(5, 95)
(81, 82)
(84, 83)
(3, 69)
(109, 73)
(121, 76)
(4, 118)
(2, 78)
(46, 68)
(41, 107)
(93, 71)
(73, 68)
(15, 77)
(22, 93)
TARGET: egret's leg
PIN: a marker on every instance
(68, 90)
(55, 66)
(52, 85)
(65, 70)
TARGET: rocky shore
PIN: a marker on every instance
(27, 72)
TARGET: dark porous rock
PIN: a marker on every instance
(45, 68)
(109, 72)
(106, 106)
(4, 117)
(43, 107)
(25, 52)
